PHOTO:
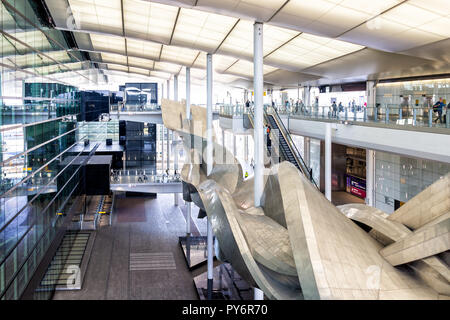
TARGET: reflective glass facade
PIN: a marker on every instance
(38, 126)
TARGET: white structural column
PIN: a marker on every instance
(234, 145)
(168, 149)
(307, 150)
(168, 89)
(306, 95)
(328, 161)
(246, 148)
(258, 83)
(188, 116)
(162, 147)
(209, 115)
(168, 131)
(258, 112)
(188, 93)
(175, 87)
(370, 177)
(174, 136)
(209, 164)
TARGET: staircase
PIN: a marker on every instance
(64, 272)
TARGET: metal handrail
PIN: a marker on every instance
(306, 171)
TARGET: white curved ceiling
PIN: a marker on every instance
(303, 40)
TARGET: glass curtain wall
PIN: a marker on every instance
(38, 127)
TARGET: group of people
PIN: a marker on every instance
(142, 176)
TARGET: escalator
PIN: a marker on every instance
(288, 151)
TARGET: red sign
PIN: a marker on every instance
(358, 192)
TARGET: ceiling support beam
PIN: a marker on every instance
(225, 38)
(174, 26)
(279, 9)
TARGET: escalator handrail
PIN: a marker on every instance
(307, 171)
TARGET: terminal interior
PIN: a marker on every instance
(94, 200)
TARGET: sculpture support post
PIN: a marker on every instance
(168, 150)
(328, 161)
(258, 112)
(188, 116)
(307, 150)
(162, 148)
(209, 165)
(175, 161)
(234, 146)
(188, 218)
(246, 148)
(210, 259)
(370, 174)
(258, 82)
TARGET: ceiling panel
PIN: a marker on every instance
(200, 61)
(441, 7)
(307, 50)
(117, 67)
(34, 59)
(262, 10)
(201, 29)
(439, 27)
(167, 67)
(240, 41)
(35, 39)
(145, 49)
(371, 7)
(387, 35)
(140, 62)
(99, 15)
(410, 15)
(159, 74)
(139, 71)
(179, 55)
(245, 68)
(149, 20)
(114, 58)
(108, 43)
(221, 62)
(300, 13)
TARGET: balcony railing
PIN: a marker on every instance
(144, 176)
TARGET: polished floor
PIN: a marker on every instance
(139, 257)
(341, 197)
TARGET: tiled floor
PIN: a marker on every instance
(108, 275)
(341, 197)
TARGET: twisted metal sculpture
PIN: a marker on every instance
(298, 245)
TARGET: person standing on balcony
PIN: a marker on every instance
(334, 107)
(438, 107)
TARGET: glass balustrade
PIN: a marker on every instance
(142, 176)
(385, 114)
